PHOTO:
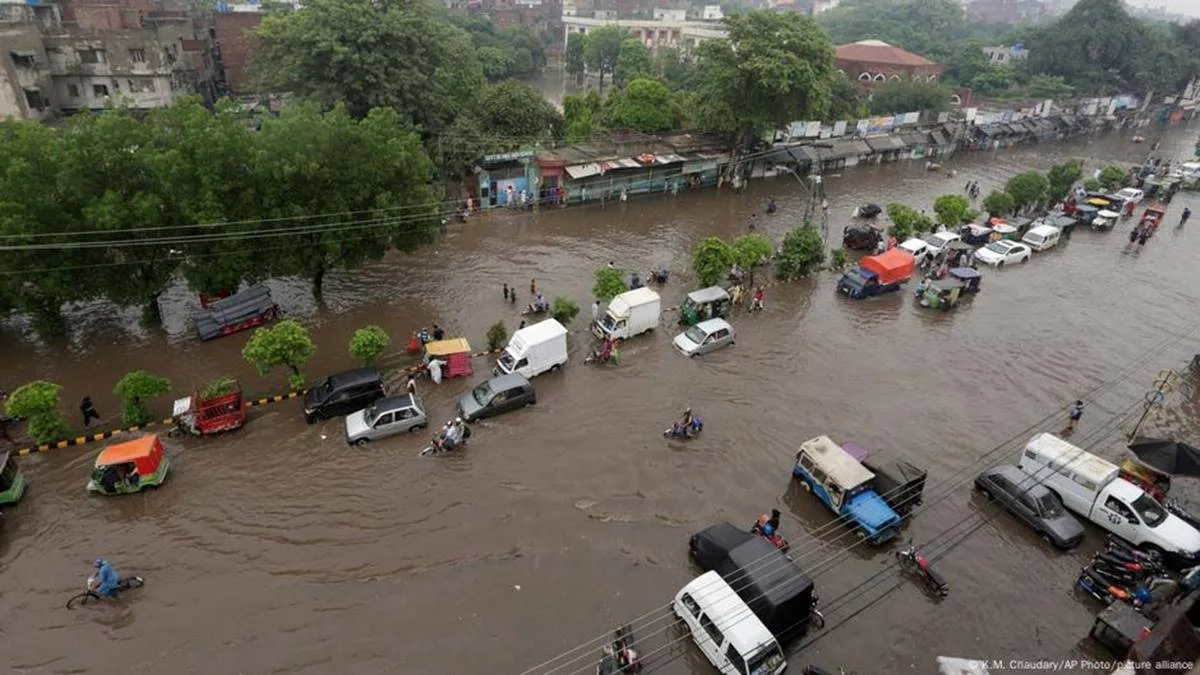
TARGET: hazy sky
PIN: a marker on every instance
(1186, 7)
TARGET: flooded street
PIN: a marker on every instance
(278, 549)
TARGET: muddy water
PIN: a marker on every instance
(276, 549)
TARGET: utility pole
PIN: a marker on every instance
(1164, 384)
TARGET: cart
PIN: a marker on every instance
(197, 417)
(454, 352)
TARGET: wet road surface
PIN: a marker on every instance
(277, 549)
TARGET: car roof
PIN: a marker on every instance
(1043, 230)
(713, 325)
(838, 464)
(508, 381)
(914, 242)
(1027, 484)
(357, 376)
(745, 631)
(708, 294)
(1007, 243)
(395, 402)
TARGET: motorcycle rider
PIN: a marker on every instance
(105, 582)
(452, 434)
(767, 524)
(540, 304)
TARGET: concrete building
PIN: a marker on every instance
(235, 40)
(88, 54)
(1002, 55)
(664, 14)
(681, 34)
(874, 62)
(712, 13)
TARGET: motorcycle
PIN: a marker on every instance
(1115, 544)
(1100, 589)
(659, 276)
(681, 431)
(620, 655)
(1116, 562)
(534, 308)
(775, 538)
(439, 445)
(914, 562)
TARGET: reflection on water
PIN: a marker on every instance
(278, 549)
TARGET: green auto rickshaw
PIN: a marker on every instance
(707, 303)
(12, 481)
(943, 294)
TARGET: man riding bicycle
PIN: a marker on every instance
(105, 582)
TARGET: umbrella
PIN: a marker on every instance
(1171, 457)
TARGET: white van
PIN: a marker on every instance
(1042, 237)
(1093, 488)
(534, 349)
(629, 314)
(730, 635)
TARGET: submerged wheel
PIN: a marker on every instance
(131, 582)
(415, 427)
(816, 619)
(361, 443)
(81, 599)
(804, 484)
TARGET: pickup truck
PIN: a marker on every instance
(847, 487)
(1093, 488)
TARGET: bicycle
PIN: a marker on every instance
(90, 595)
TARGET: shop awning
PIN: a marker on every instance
(886, 143)
(941, 137)
(844, 149)
(668, 159)
(583, 170)
(915, 139)
(788, 154)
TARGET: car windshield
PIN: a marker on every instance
(1151, 512)
(324, 390)
(939, 241)
(855, 277)
(997, 247)
(1049, 505)
(482, 394)
(369, 413)
(766, 660)
(695, 334)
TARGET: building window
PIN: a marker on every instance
(137, 86)
(73, 90)
(91, 56)
(864, 77)
(895, 78)
(23, 59)
(137, 55)
(881, 77)
(33, 98)
(99, 90)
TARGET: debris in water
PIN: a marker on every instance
(517, 586)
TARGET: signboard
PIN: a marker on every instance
(839, 129)
(942, 118)
(862, 126)
(508, 157)
(796, 129)
(912, 117)
(812, 129)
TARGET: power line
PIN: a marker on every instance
(1124, 375)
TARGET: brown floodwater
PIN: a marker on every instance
(277, 549)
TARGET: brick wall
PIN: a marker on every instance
(235, 37)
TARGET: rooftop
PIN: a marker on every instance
(876, 51)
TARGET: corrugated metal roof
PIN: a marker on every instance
(915, 139)
(583, 170)
(886, 143)
(844, 149)
(669, 159)
(785, 154)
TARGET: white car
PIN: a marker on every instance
(1000, 252)
(938, 241)
(919, 249)
(1131, 195)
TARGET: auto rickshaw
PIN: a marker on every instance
(975, 234)
(1105, 219)
(129, 467)
(707, 303)
(222, 410)
(970, 278)
(942, 294)
(454, 352)
(12, 481)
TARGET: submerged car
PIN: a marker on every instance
(938, 241)
(1032, 502)
(919, 248)
(705, 337)
(385, 417)
(1000, 253)
(498, 395)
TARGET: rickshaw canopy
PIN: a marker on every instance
(965, 273)
(706, 295)
(1105, 213)
(979, 230)
(945, 284)
(145, 453)
(890, 266)
(447, 347)
(997, 222)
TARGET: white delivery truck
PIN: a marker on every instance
(1092, 487)
(534, 349)
(630, 313)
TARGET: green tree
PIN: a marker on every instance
(372, 174)
(610, 282)
(928, 27)
(368, 343)
(37, 401)
(750, 250)
(847, 102)
(774, 69)
(1061, 178)
(674, 66)
(906, 221)
(644, 105)
(1092, 185)
(573, 58)
(563, 310)
(602, 48)
(1027, 188)
(401, 54)
(135, 388)
(516, 110)
(1069, 48)
(802, 252)
(965, 62)
(1045, 86)
(633, 61)
(1112, 178)
(497, 335)
(951, 209)
(908, 96)
(711, 260)
(838, 259)
(287, 343)
(579, 115)
(998, 204)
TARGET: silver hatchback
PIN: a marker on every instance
(705, 337)
(388, 416)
